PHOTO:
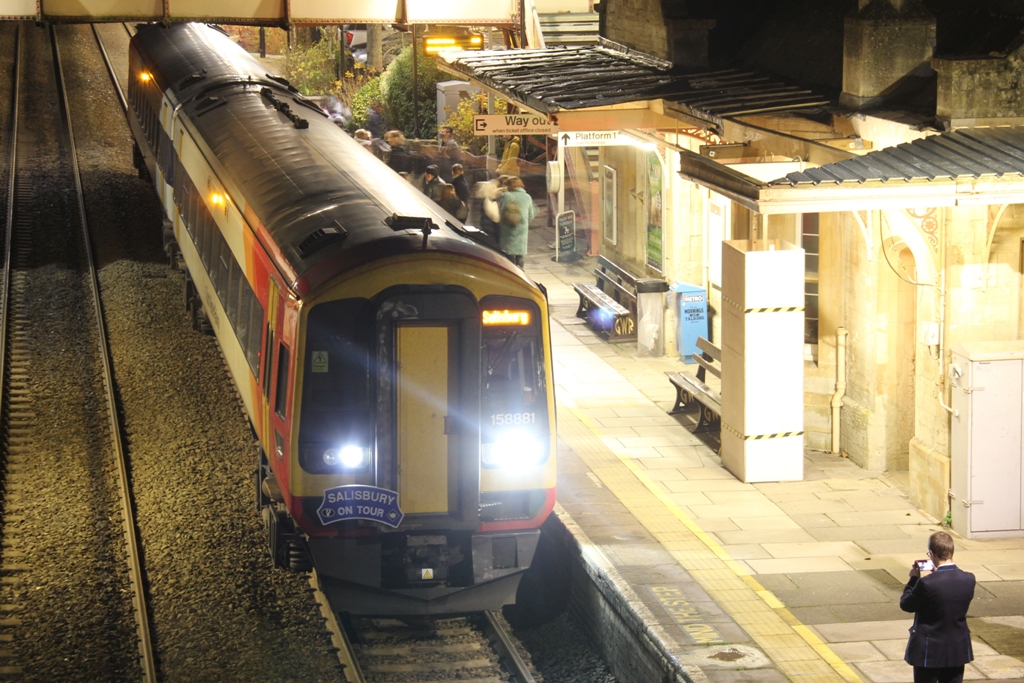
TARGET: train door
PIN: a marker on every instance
(426, 387)
(268, 350)
(428, 395)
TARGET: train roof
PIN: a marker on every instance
(326, 203)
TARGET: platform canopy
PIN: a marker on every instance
(267, 12)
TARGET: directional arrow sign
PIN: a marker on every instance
(597, 138)
(512, 124)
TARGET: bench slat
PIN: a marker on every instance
(696, 387)
(598, 297)
(710, 367)
(619, 288)
(605, 265)
(710, 349)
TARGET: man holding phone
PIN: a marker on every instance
(940, 642)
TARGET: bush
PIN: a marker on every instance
(362, 105)
(313, 68)
(397, 96)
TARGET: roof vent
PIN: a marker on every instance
(209, 103)
(192, 80)
(398, 223)
(320, 238)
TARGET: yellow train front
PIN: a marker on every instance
(396, 372)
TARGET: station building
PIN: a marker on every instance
(885, 140)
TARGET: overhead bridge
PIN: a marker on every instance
(282, 13)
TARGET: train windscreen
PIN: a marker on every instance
(514, 402)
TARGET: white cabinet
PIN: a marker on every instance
(987, 447)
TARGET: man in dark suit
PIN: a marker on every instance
(940, 643)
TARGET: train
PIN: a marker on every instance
(396, 370)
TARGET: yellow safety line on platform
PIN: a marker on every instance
(793, 647)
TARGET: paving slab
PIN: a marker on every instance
(865, 630)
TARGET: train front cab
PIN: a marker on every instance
(441, 394)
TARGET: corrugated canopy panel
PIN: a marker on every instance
(968, 153)
(600, 75)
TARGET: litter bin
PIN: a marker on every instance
(693, 319)
(650, 316)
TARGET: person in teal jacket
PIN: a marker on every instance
(516, 209)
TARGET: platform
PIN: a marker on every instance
(785, 581)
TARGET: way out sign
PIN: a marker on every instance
(512, 124)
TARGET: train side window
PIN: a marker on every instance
(231, 303)
(208, 243)
(222, 264)
(281, 392)
(252, 347)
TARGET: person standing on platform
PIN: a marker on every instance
(516, 211)
(510, 157)
(451, 203)
(432, 183)
(940, 642)
(460, 183)
(399, 158)
(451, 152)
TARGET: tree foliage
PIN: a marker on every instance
(363, 101)
(397, 93)
(313, 68)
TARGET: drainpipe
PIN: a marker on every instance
(837, 398)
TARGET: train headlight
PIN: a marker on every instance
(515, 449)
(347, 457)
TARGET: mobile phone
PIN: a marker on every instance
(924, 565)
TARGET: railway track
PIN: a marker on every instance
(47, 236)
(474, 648)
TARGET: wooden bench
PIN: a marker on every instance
(602, 312)
(609, 305)
(692, 391)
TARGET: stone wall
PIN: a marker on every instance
(638, 24)
(980, 89)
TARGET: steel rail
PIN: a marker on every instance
(339, 637)
(507, 650)
(5, 285)
(147, 659)
(110, 70)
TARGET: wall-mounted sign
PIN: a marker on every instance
(512, 124)
(596, 138)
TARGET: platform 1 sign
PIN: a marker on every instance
(371, 503)
(593, 138)
(512, 124)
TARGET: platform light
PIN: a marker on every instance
(506, 317)
(217, 199)
(441, 42)
(145, 76)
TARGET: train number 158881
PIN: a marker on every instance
(513, 418)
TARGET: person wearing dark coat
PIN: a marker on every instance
(940, 642)
(432, 183)
(460, 183)
(399, 157)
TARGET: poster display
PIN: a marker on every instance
(655, 213)
(608, 194)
